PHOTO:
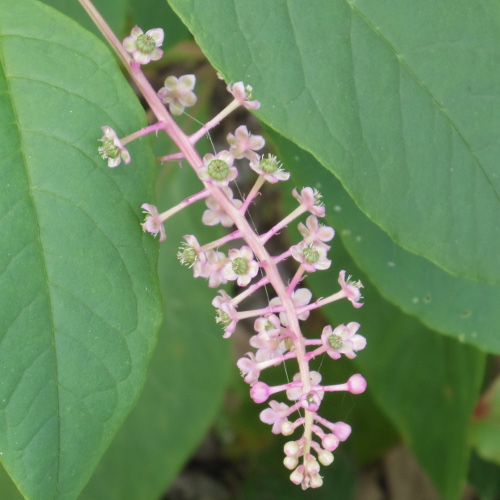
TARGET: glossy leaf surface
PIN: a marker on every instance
(398, 99)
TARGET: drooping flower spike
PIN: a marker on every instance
(278, 337)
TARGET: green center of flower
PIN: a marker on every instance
(223, 317)
(310, 399)
(289, 346)
(269, 165)
(108, 149)
(187, 256)
(311, 255)
(269, 326)
(240, 265)
(218, 169)
(335, 341)
(146, 43)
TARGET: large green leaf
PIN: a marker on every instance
(427, 384)
(465, 309)
(399, 99)
(80, 300)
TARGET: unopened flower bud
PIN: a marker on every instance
(316, 481)
(325, 457)
(290, 462)
(291, 449)
(356, 384)
(287, 428)
(297, 475)
(330, 442)
(342, 430)
(259, 392)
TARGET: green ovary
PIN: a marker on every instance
(218, 169)
(240, 265)
(146, 43)
(311, 255)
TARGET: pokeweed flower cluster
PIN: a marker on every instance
(293, 407)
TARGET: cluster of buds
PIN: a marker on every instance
(278, 337)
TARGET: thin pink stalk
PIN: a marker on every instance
(194, 138)
(296, 280)
(251, 289)
(183, 204)
(252, 194)
(222, 241)
(144, 131)
(289, 218)
(174, 156)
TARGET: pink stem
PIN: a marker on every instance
(296, 280)
(222, 241)
(183, 204)
(144, 131)
(174, 156)
(251, 289)
(193, 139)
(252, 194)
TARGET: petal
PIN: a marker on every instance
(301, 297)
(227, 157)
(188, 99)
(125, 156)
(156, 54)
(210, 218)
(114, 162)
(136, 31)
(187, 82)
(256, 142)
(176, 108)
(129, 44)
(241, 133)
(157, 34)
(140, 57)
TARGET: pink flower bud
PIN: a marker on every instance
(342, 430)
(290, 462)
(330, 442)
(356, 384)
(259, 392)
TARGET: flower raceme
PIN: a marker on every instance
(294, 406)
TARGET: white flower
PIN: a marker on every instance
(300, 297)
(144, 46)
(216, 213)
(244, 144)
(241, 266)
(177, 93)
(112, 148)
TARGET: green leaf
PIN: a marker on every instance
(399, 99)
(189, 372)
(81, 305)
(465, 309)
(486, 424)
(426, 384)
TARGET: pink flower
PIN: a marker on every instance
(268, 326)
(216, 213)
(226, 313)
(153, 222)
(351, 289)
(218, 170)
(244, 144)
(342, 340)
(243, 95)
(294, 393)
(213, 268)
(191, 254)
(241, 266)
(248, 367)
(144, 46)
(112, 148)
(276, 415)
(269, 168)
(267, 349)
(311, 199)
(259, 392)
(300, 297)
(356, 384)
(312, 231)
(311, 256)
(177, 93)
